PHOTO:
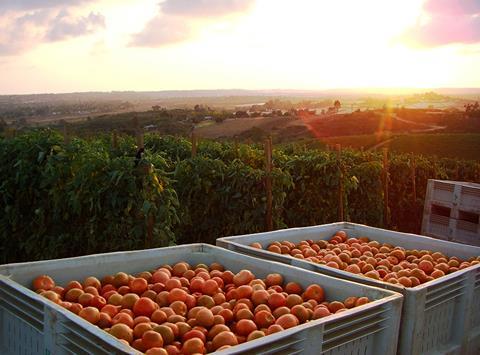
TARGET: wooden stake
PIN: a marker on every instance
(386, 215)
(268, 184)
(138, 133)
(149, 235)
(414, 183)
(10, 132)
(194, 145)
(66, 139)
(338, 148)
(114, 139)
(236, 148)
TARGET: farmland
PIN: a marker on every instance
(364, 141)
(461, 146)
(455, 145)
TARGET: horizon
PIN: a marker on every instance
(387, 91)
(151, 45)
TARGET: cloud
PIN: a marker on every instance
(22, 32)
(452, 7)
(28, 5)
(175, 20)
(205, 7)
(65, 26)
(30, 23)
(162, 30)
(446, 22)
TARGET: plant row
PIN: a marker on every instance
(88, 196)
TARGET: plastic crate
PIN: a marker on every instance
(32, 324)
(453, 194)
(452, 211)
(29, 324)
(438, 317)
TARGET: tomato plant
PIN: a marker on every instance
(91, 195)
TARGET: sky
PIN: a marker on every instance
(147, 45)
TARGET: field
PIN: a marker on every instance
(364, 141)
(237, 127)
(461, 146)
(404, 130)
(455, 145)
(290, 129)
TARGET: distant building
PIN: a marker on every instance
(150, 127)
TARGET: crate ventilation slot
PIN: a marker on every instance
(443, 186)
(288, 346)
(467, 226)
(79, 341)
(353, 328)
(444, 293)
(439, 220)
(471, 217)
(470, 191)
(441, 210)
(30, 311)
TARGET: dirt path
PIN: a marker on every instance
(430, 127)
(381, 144)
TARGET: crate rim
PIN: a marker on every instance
(455, 182)
(202, 247)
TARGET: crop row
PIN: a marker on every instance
(88, 196)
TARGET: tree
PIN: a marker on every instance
(472, 110)
(240, 114)
(337, 105)
(199, 108)
(3, 125)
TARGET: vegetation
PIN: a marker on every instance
(82, 198)
(364, 141)
(86, 196)
(460, 146)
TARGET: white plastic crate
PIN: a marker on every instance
(32, 324)
(452, 211)
(457, 194)
(438, 317)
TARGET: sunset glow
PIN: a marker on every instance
(262, 44)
